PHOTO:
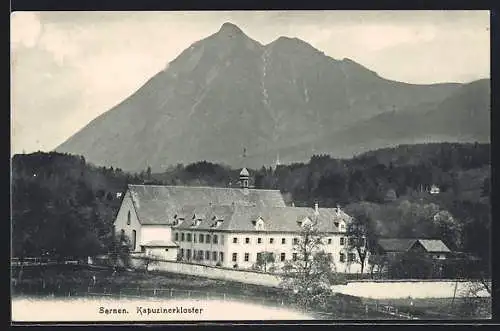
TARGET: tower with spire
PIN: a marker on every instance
(244, 174)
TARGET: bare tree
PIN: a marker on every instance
(309, 275)
(361, 236)
(264, 259)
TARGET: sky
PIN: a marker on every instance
(69, 67)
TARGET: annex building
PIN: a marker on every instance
(228, 227)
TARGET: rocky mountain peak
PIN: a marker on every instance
(230, 30)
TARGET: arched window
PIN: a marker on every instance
(128, 218)
(134, 235)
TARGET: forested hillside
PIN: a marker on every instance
(62, 205)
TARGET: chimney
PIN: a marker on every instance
(316, 208)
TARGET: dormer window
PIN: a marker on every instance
(259, 224)
(217, 223)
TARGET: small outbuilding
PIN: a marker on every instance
(162, 249)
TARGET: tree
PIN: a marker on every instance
(119, 251)
(309, 275)
(264, 259)
(361, 236)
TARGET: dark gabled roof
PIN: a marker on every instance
(282, 219)
(403, 245)
(396, 244)
(157, 204)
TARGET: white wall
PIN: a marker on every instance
(121, 220)
(368, 289)
(248, 277)
(405, 289)
(155, 232)
(166, 253)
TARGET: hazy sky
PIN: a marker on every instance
(69, 67)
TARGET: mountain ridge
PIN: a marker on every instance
(228, 92)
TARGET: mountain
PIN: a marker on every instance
(464, 116)
(228, 92)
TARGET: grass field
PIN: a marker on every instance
(59, 281)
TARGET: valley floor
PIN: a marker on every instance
(76, 281)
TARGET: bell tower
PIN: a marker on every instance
(244, 177)
(244, 174)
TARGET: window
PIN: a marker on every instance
(200, 255)
(235, 257)
(259, 256)
(362, 242)
(182, 236)
(166, 249)
(143, 249)
(259, 240)
(247, 240)
(177, 236)
(134, 237)
(188, 237)
(221, 256)
(182, 252)
(207, 255)
(271, 240)
(194, 237)
(342, 257)
(282, 257)
(283, 240)
(329, 241)
(216, 240)
(235, 240)
(247, 257)
(342, 241)
(214, 256)
(201, 238)
(294, 256)
(188, 254)
(128, 218)
(222, 239)
(351, 241)
(330, 257)
(122, 234)
(194, 254)
(351, 257)
(207, 239)
(295, 241)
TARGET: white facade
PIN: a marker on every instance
(151, 232)
(138, 234)
(164, 253)
(234, 247)
(240, 249)
(127, 223)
